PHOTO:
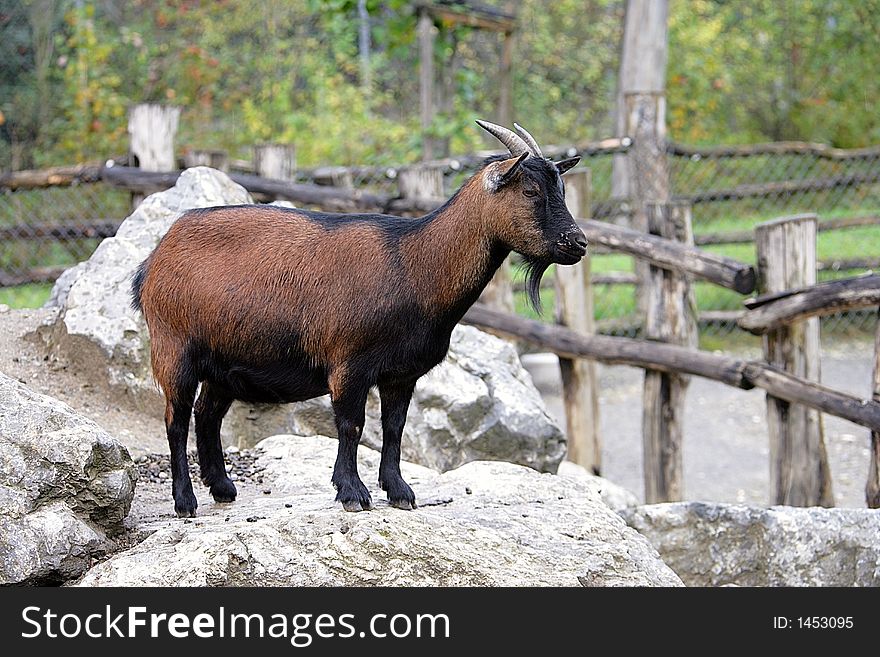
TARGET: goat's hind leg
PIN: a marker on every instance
(395, 401)
(210, 408)
(178, 410)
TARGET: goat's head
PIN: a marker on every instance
(530, 200)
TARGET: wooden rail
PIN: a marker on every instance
(775, 148)
(770, 312)
(61, 232)
(671, 358)
(51, 177)
(35, 275)
(330, 198)
(669, 254)
(783, 187)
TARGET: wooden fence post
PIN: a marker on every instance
(643, 55)
(275, 161)
(574, 309)
(420, 182)
(872, 489)
(203, 157)
(649, 171)
(334, 176)
(151, 129)
(670, 317)
(799, 473)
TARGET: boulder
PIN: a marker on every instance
(721, 544)
(483, 524)
(616, 497)
(95, 328)
(478, 404)
(65, 487)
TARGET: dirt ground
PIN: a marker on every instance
(725, 457)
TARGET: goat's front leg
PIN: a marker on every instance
(395, 402)
(348, 407)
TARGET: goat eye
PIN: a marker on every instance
(530, 192)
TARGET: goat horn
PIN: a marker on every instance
(515, 144)
(530, 141)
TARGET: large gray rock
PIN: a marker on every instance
(484, 524)
(478, 404)
(718, 544)
(95, 328)
(615, 496)
(65, 486)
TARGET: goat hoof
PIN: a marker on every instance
(185, 511)
(185, 504)
(355, 506)
(224, 491)
(400, 495)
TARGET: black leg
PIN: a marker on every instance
(348, 406)
(178, 409)
(395, 401)
(211, 406)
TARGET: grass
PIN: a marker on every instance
(26, 296)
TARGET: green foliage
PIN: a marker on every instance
(26, 296)
(291, 70)
(764, 70)
(92, 105)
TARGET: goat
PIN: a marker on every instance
(269, 304)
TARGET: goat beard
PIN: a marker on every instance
(535, 268)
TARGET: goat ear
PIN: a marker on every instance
(503, 173)
(565, 165)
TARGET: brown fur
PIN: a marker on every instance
(230, 268)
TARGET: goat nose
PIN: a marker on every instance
(580, 239)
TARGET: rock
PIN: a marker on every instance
(721, 544)
(95, 328)
(516, 527)
(478, 404)
(65, 486)
(616, 497)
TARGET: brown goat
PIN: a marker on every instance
(267, 304)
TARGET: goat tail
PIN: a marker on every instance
(137, 285)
